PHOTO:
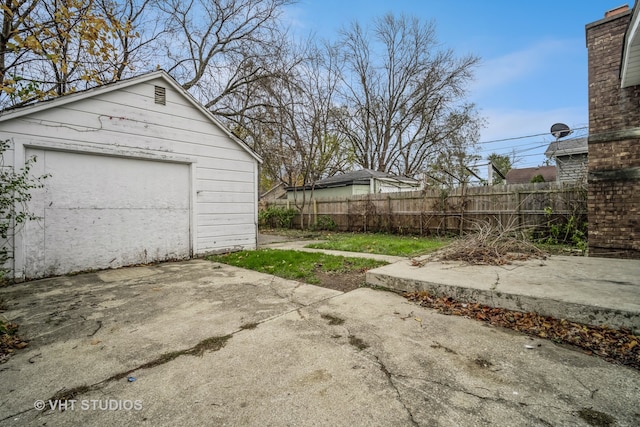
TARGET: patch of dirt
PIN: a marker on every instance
(615, 345)
(343, 282)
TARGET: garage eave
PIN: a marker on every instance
(121, 84)
(630, 68)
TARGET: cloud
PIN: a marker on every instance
(294, 17)
(520, 65)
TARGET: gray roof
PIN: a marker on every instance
(524, 175)
(360, 177)
(567, 147)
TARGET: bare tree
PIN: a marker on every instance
(138, 30)
(295, 128)
(215, 48)
(403, 95)
(49, 48)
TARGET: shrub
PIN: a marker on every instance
(15, 192)
(276, 217)
(325, 222)
(556, 231)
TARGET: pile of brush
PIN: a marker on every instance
(488, 245)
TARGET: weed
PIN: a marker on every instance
(558, 231)
(251, 325)
(596, 418)
(332, 319)
(209, 344)
(357, 342)
(70, 394)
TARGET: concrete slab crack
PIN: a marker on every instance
(450, 386)
(97, 329)
(207, 345)
(391, 382)
(592, 392)
(495, 284)
(493, 288)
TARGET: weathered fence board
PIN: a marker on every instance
(439, 211)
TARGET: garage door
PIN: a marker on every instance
(102, 212)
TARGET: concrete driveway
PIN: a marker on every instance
(209, 344)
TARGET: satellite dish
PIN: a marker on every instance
(560, 130)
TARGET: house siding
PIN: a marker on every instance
(328, 193)
(614, 145)
(127, 122)
(573, 168)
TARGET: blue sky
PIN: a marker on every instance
(533, 70)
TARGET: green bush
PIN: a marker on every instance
(325, 222)
(275, 217)
(537, 178)
(15, 192)
(571, 231)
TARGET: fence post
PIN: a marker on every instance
(315, 211)
(518, 210)
(389, 220)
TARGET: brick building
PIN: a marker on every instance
(613, 45)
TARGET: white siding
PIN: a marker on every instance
(572, 169)
(127, 122)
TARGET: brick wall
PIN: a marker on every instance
(614, 155)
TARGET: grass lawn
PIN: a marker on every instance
(385, 244)
(295, 265)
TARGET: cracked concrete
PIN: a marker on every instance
(296, 355)
(597, 291)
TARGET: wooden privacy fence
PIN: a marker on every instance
(440, 211)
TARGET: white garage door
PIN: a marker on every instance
(102, 212)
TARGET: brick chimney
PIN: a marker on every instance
(616, 11)
(613, 201)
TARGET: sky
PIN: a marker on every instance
(533, 69)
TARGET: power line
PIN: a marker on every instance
(525, 136)
(514, 147)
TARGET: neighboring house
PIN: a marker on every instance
(525, 175)
(276, 192)
(571, 156)
(613, 45)
(139, 172)
(360, 182)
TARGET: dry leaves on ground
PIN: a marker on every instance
(9, 340)
(614, 345)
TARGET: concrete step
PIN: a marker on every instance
(595, 291)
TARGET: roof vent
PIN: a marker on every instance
(160, 95)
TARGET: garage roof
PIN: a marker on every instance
(10, 114)
(359, 177)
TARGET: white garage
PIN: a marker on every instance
(133, 177)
